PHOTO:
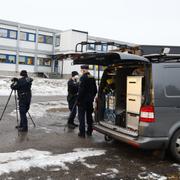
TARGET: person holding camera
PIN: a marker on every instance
(23, 87)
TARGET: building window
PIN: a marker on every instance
(27, 60)
(96, 67)
(23, 36)
(91, 47)
(57, 42)
(44, 61)
(12, 59)
(7, 33)
(41, 39)
(45, 39)
(22, 60)
(30, 60)
(4, 33)
(98, 48)
(5, 58)
(2, 58)
(12, 34)
(49, 39)
(104, 47)
(31, 37)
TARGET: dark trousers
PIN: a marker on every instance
(23, 109)
(85, 110)
(73, 109)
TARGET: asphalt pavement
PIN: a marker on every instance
(120, 161)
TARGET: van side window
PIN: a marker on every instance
(172, 81)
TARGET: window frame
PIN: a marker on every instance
(43, 62)
(10, 30)
(91, 47)
(44, 39)
(57, 43)
(31, 34)
(104, 48)
(26, 60)
(7, 58)
(8, 33)
(27, 36)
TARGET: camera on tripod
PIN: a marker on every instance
(14, 79)
(14, 82)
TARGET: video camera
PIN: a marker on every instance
(14, 82)
(14, 79)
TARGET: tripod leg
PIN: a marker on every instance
(31, 119)
(6, 105)
(15, 95)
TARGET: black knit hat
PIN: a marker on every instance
(74, 73)
(23, 73)
(85, 67)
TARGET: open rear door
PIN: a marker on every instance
(106, 59)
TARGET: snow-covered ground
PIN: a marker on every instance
(40, 109)
(32, 158)
(40, 87)
(151, 175)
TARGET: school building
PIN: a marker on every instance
(36, 49)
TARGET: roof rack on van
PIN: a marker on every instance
(162, 57)
(132, 49)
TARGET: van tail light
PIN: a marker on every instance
(147, 114)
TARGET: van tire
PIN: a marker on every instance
(174, 144)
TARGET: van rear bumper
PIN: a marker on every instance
(139, 142)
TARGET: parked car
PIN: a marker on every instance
(138, 99)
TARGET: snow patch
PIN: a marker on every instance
(34, 178)
(32, 158)
(111, 173)
(49, 178)
(90, 166)
(176, 165)
(115, 171)
(9, 178)
(40, 109)
(40, 87)
(151, 175)
(55, 169)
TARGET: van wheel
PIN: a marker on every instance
(108, 138)
(175, 146)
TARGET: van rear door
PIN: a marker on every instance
(107, 58)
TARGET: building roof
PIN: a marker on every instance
(12, 23)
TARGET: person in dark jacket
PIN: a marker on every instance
(86, 94)
(72, 98)
(23, 87)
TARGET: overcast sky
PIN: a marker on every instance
(136, 21)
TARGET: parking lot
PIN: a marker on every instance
(52, 151)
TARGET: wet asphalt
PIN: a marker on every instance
(51, 134)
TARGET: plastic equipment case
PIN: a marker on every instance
(134, 96)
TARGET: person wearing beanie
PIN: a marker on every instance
(23, 73)
(23, 87)
(72, 98)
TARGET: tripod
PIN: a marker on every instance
(16, 104)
